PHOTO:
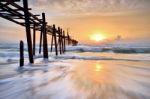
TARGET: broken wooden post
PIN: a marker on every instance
(34, 39)
(21, 53)
(41, 34)
(55, 39)
(59, 40)
(45, 47)
(64, 41)
(28, 32)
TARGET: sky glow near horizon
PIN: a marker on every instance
(128, 18)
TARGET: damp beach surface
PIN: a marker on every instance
(79, 79)
(83, 72)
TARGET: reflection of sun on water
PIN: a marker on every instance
(89, 74)
(98, 67)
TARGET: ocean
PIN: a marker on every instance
(111, 71)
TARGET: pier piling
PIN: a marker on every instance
(55, 39)
(28, 31)
(64, 41)
(21, 53)
(41, 36)
(59, 40)
(34, 39)
(52, 42)
(45, 47)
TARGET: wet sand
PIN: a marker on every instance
(80, 79)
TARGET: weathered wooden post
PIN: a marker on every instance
(55, 39)
(64, 41)
(52, 42)
(68, 38)
(21, 53)
(28, 31)
(34, 39)
(59, 40)
(41, 36)
(45, 47)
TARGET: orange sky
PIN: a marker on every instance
(128, 18)
(130, 26)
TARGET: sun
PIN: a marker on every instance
(97, 37)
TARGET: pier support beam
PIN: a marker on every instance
(21, 54)
(59, 40)
(28, 31)
(64, 41)
(52, 42)
(34, 39)
(68, 38)
(55, 39)
(41, 35)
(45, 47)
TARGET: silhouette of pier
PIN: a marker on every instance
(10, 10)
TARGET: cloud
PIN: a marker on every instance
(91, 7)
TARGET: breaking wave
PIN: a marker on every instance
(110, 49)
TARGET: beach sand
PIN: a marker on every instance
(79, 79)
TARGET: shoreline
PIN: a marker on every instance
(81, 78)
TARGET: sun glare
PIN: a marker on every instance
(98, 67)
(97, 37)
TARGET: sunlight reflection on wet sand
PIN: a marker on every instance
(84, 79)
(92, 71)
(109, 80)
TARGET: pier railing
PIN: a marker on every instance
(21, 15)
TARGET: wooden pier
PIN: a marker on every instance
(10, 10)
